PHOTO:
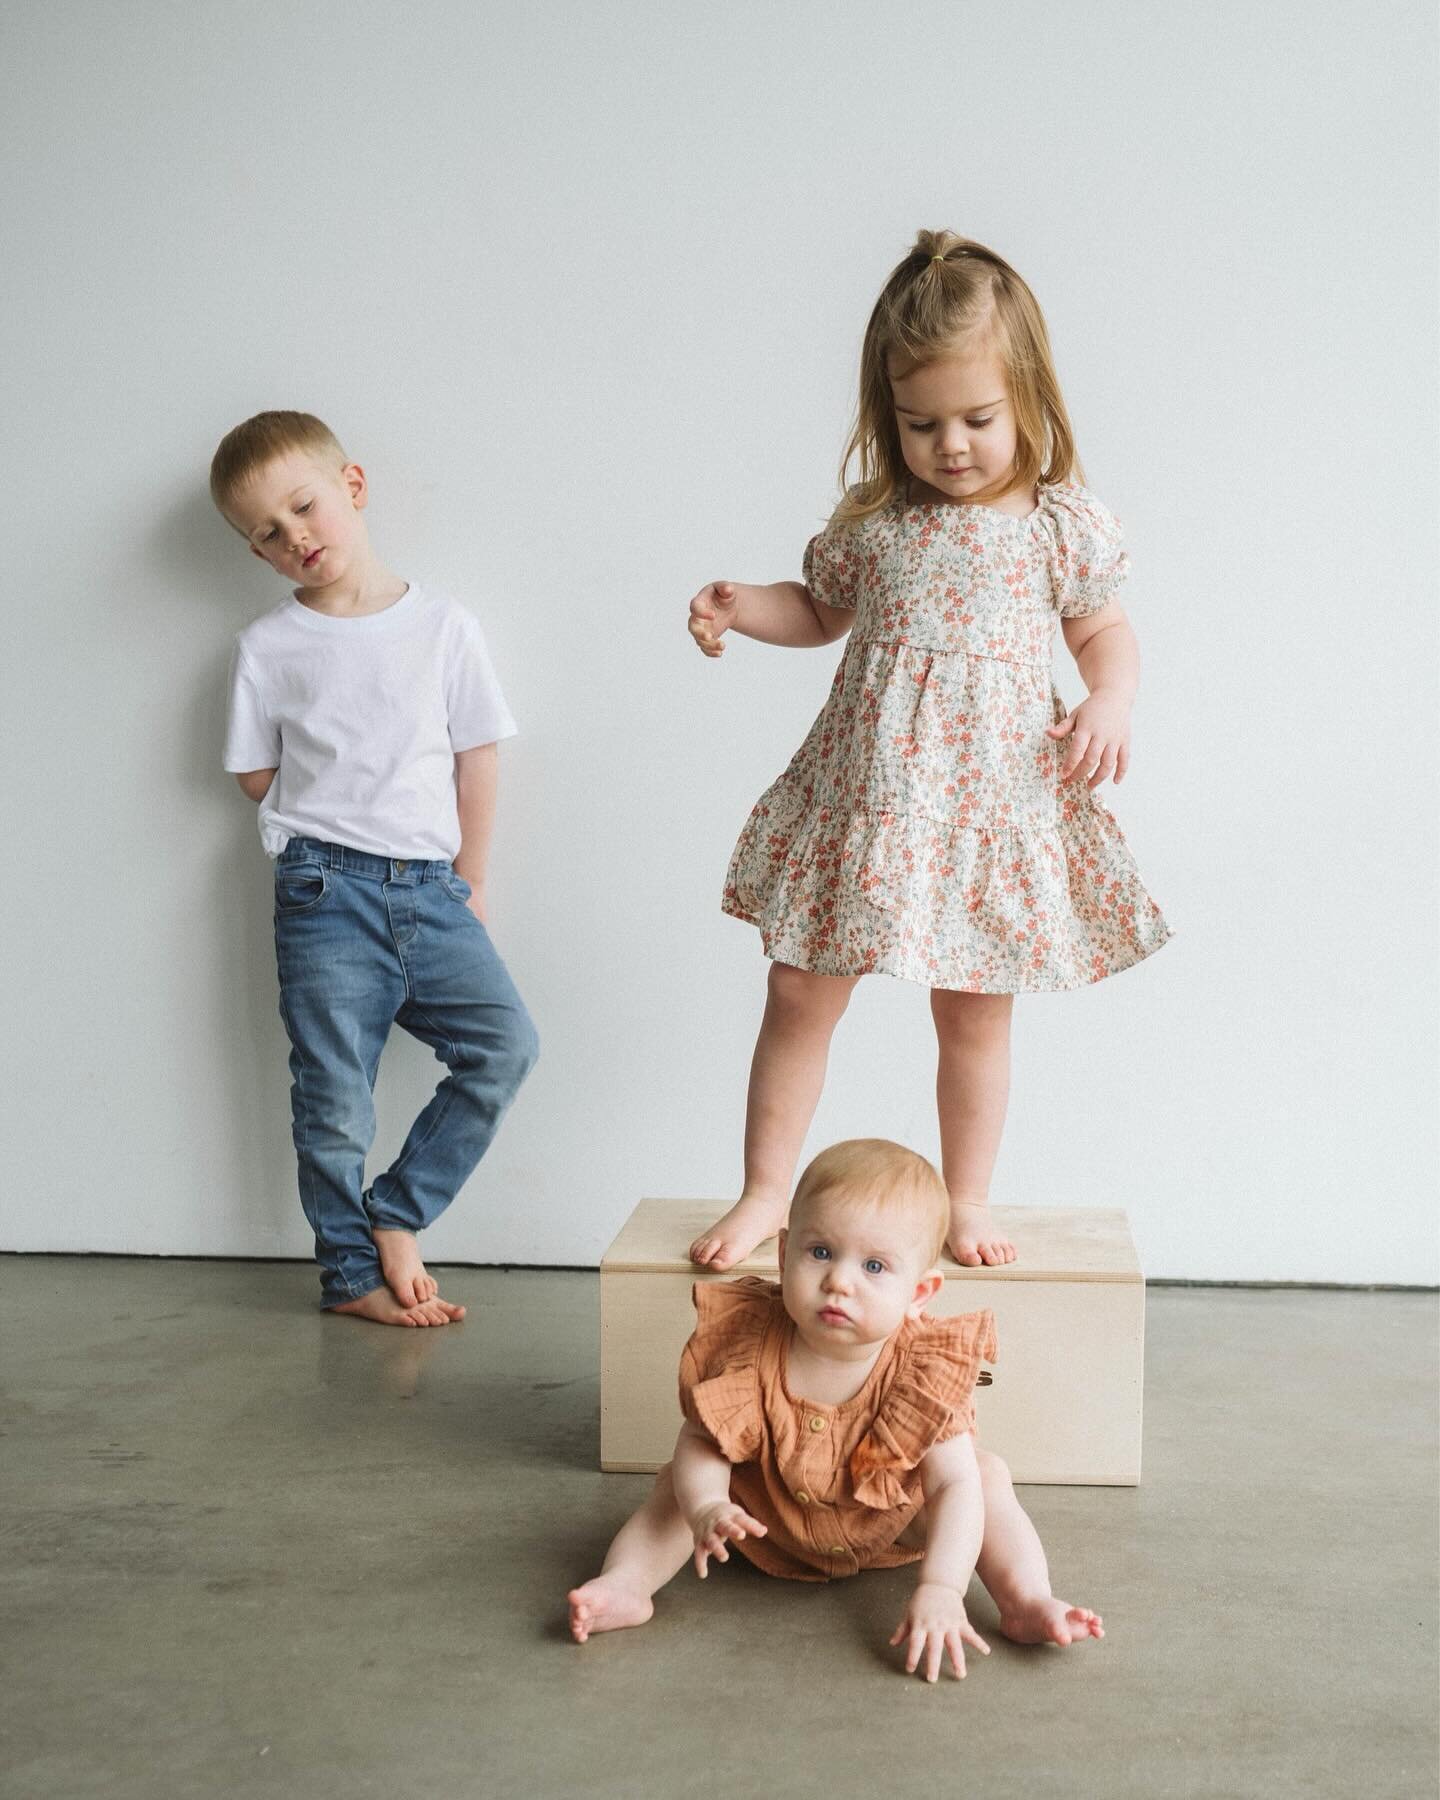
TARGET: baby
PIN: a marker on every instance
(829, 1427)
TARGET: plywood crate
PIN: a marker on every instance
(1062, 1403)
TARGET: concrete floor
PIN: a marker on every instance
(252, 1550)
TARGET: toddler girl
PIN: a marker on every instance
(828, 1427)
(939, 821)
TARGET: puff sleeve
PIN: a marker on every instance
(1082, 543)
(832, 566)
(719, 1366)
(929, 1400)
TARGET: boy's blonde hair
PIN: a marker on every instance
(876, 1172)
(947, 289)
(260, 440)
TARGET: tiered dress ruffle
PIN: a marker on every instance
(921, 830)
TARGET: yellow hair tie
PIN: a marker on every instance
(939, 258)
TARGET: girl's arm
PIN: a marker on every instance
(785, 612)
(701, 1477)
(1108, 658)
(477, 774)
(935, 1620)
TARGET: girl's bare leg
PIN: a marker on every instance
(786, 1076)
(650, 1547)
(1012, 1566)
(972, 1090)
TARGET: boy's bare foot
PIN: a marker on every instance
(1049, 1621)
(405, 1275)
(382, 1306)
(731, 1239)
(608, 1603)
(974, 1238)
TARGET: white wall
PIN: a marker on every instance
(583, 288)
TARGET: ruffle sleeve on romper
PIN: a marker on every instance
(928, 1401)
(719, 1366)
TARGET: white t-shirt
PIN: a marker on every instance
(361, 720)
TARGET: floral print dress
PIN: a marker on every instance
(921, 830)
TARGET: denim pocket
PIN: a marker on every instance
(299, 887)
(454, 886)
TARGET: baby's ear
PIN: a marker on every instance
(926, 1288)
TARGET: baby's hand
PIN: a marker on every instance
(934, 1621)
(715, 1526)
(1099, 733)
(712, 613)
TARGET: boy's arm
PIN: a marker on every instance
(477, 774)
(935, 1620)
(255, 783)
(700, 1474)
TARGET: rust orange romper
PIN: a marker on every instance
(835, 1486)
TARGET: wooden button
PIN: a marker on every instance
(804, 1499)
(837, 1550)
(817, 1423)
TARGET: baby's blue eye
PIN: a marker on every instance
(268, 535)
(306, 507)
(874, 1266)
(980, 424)
(820, 1253)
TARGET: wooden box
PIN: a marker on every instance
(1063, 1401)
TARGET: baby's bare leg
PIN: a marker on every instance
(972, 1090)
(1012, 1566)
(787, 1073)
(650, 1547)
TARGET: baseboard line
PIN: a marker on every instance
(509, 1268)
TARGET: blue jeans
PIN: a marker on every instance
(364, 942)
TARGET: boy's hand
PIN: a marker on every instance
(1099, 733)
(716, 1525)
(712, 613)
(934, 1622)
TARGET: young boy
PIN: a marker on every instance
(364, 715)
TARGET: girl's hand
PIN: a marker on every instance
(712, 613)
(715, 1526)
(1099, 733)
(934, 1622)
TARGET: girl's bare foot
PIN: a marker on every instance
(608, 1603)
(731, 1239)
(382, 1306)
(975, 1239)
(1049, 1621)
(405, 1275)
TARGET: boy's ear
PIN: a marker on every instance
(354, 478)
(926, 1288)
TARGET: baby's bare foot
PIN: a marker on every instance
(382, 1306)
(608, 1603)
(405, 1275)
(731, 1239)
(974, 1237)
(1049, 1621)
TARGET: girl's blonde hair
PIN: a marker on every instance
(259, 440)
(876, 1172)
(948, 289)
